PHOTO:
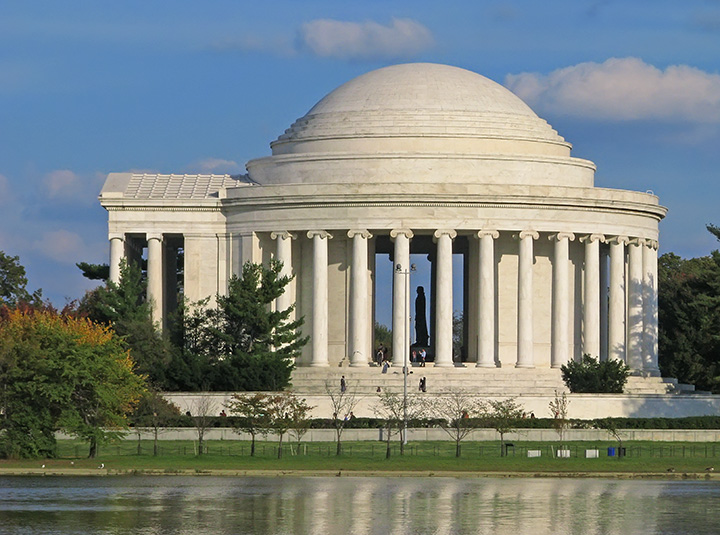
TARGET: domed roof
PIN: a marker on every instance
(422, 87)
(421, 123)
(415, 100)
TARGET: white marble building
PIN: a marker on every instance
(415, 158)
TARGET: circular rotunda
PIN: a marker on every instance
(416, 159)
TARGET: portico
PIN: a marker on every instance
(413, 159)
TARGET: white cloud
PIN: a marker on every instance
(62, 246)
(623, 89)
(61, 184)
(365, 40)
(215, 165)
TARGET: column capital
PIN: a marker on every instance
(618, 240)
(651, 244)
(363, 233)
(637, 241)
(116, 236)
(589, 238)
(444, 232)
(322, 234)
(562, 236)
(154, 236)
(284, 234)
(534, 234)
(394, 233)
(494, 234)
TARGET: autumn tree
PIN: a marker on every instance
(59, 372)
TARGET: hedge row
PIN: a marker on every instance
(691, 422)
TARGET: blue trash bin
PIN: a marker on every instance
(611, 452)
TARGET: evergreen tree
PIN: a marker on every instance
(123, 306)
(13, 283)
(241, 344)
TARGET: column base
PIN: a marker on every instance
(443, 364)
(485, 365)
(319, 365)
(525, 366)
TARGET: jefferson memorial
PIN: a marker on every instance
(415, 159)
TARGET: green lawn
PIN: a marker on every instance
(672, 459)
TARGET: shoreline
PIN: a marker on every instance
(80, 472)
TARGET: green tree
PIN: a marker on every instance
(94, 272)
(253, 416)
(13, 283)
(689, 319)
(503, 416)
(153, 411)
(123, 306)
(594, 377)
(250, 346)
(61, 372)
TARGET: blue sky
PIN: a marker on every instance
(88, 88)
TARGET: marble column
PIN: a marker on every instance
(560, 348)
(650, 309)
(320, 298)
(616, 312)
(360, 339)
(117, 253)
(635, 305)
(525, 341)
(591, 300)
(283, 254)
(400, 307)
(604, 301)
(444, 302)
(155, 277)
(486, 305)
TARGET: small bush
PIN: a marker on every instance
(590, 376)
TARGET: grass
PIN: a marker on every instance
(643, 458)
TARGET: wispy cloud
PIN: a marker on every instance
(62, 246)
(69, 187)
(214, 165)
(365, 40)
(623, 89)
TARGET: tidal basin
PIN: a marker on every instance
(355, 505)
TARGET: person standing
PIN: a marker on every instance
(423, 356)
(343, 384)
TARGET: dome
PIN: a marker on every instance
(417, 100)
(421, 122)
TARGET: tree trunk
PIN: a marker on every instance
(502, 445)
(93, 448)
(387, 452)
(139, 448)
(155, 443)
(252, 446)
(339, 447)
(200, 445)
(457, 449)
(280, 447)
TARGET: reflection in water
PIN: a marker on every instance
(354, 506)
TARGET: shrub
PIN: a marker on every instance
(593, 377)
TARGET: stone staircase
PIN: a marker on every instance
(491, 382)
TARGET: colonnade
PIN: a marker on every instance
(619, 295)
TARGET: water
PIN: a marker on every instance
(350, 506)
